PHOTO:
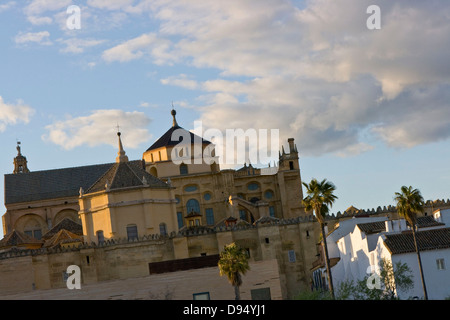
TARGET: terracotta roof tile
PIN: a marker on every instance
(63, 236)
(66, 224)
(17, 238)
(428, 221)
(427, 240)
(372, 227)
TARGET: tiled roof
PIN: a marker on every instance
(372, 227)
(379, 226)
(17, 238)
(166, 139)
(49, 184)
(266, 219)
(126, 174)
(63, 236)
(66, 224)
(428, 221)
(427, 240)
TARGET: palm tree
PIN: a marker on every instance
(409, 203)
(233, 263)
(320, 196)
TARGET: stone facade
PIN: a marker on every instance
(289, 246)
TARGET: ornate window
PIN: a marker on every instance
(192, 205)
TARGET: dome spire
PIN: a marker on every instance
(121, 157)
(173, 113)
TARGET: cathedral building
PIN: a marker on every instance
(158, 195)
(155, 210)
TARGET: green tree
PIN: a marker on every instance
(391, 279)
(233, 263)
(319, 197)
(409, 204)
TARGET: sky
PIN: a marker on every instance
(369, 108)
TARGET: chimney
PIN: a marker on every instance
(402, 225)
(389, 226)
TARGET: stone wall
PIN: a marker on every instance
(181, 285)
(284, 241)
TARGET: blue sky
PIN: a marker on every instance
(369, 109)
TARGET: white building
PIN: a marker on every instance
(359, 243)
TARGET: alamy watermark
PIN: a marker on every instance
(73, 22)
(235, 147)
(373, 22)
(374, 280)
(73, 273)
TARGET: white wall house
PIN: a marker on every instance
(343, 229)
(373, 239)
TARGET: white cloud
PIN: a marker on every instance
(129, 50)
(7, 6)
(145, 104)
(41, 38)
(315, 72)
(76, 45)
(318, 73)
(100, 128)
(181, 81)
(146, 44)
(39, 20)
(36, 8)
(11, 114)
(111, 4)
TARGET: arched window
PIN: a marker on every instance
(153, 171)
(268, 194)
(192, 205)
(183, 169)
(33, 229)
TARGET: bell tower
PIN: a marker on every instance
(20, 162)
(290, 181)
(289, 161)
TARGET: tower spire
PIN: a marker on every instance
(121, 157)
(173, 113)
(20, 162)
